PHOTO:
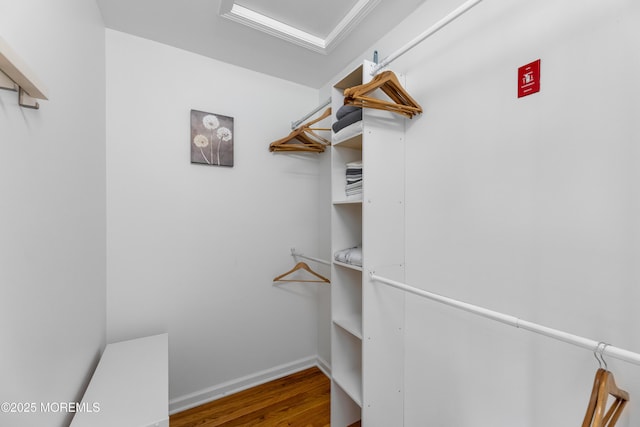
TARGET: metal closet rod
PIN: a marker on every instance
(426, 34)
(298, 254)
(294, 125)
(595, 346)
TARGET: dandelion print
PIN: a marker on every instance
(210, 121)
(211, 139)
(224, 134)
(201, 141)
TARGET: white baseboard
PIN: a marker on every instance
(323, 366)
(221, 390)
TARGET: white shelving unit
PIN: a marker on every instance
(367, 317)
(346, 283)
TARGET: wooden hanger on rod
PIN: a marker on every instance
(303, 138)
(305, 267)
(388, 82)
(604, 385)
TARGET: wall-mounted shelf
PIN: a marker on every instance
(15, 75)
(351, 324)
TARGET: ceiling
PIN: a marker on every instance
(304, 41)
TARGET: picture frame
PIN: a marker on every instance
(212, 139)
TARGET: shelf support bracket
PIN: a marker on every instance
(26, 101)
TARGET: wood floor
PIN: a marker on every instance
(298, 400)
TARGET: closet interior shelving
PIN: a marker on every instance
(364, 384)
(346, 289)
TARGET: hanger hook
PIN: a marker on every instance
(595, 354)
(604, 346)
(598, 353)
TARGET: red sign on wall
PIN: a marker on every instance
(529, 79)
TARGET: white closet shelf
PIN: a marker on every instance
(349, 382)
(352, 79)
(16, 72)
(354, 142)
(353, 201)
(349, 266)
(352, 324)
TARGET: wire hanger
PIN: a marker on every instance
(604, 386)
(302, 266)
(303, 138)
(388, 82)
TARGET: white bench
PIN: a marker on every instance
(130, 387)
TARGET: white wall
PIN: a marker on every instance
(193, 249)
(527, 206)
(52, 209)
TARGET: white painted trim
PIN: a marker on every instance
(349, 22)
(324, 366)
(210, 394)
(275, 28)
(258, 21)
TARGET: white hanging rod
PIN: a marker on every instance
(609, 350)
(426, 34)
(298, 254)
(16, 76)
(294, 125)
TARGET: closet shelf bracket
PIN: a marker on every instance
(16, 76)
(24, 100)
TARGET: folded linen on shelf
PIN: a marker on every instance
(352, 256)
(346, 109)
(349, 119)
(354, 178)
(348, 132)
(354, 189)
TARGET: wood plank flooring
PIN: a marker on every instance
(298, 400)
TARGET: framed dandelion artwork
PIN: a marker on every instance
(211, 139)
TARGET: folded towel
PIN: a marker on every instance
(346, 109)
(348, 132)
(351, 256)
(349, 119)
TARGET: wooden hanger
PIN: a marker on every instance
(597, 415)
(303, 138)
(301, 266)
(388, 82)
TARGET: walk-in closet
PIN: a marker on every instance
(349, 213)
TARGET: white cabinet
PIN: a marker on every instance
(368, 318)
(130, 386)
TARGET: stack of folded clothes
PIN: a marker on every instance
(346, 115)
(354, 178)
(351, 256)
(349, 122)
